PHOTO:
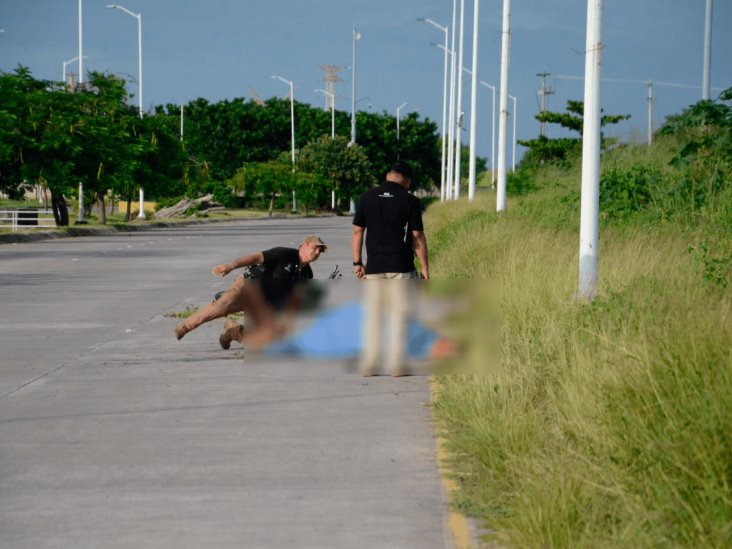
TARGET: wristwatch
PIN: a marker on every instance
(357, 264)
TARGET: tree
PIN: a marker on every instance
(345, 168)
(544, 149)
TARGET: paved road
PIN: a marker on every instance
(114, 434)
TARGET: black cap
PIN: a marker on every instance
(402, 168)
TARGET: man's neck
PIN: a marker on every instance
(396, 183)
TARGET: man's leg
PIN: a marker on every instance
(371, 351)
(233, 300)
(260, 328)
(399, 296)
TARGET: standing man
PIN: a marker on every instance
(392, 221)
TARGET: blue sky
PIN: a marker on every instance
(217, 49)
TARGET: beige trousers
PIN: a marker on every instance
(242, 296)
(386, 295)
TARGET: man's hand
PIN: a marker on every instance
(222, 270)
(359, 271)
(425, 274)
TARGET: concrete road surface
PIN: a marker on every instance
(114, 434)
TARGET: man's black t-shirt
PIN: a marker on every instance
(280, 274)
(389, 214)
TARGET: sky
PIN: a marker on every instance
(226, 49)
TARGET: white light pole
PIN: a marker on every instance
(473, 104)
(451, 111)
(444, 105)
(459, 107)
(650, 112)
(63, 70)
(398, 116)
(503, 96)
(513, 153)
(292, 130)
(707, 50)
(80, 214)
(137, 16)
(330, 96)
(590, 199)
(493, 132)
(81, 49)
(181, 121)
(356, 36)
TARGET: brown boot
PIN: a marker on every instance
(181, 330)
(232, 332)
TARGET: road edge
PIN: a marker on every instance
(456, 524)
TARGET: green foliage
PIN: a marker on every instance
(627, 190)
(342, 167)
(58, 137)
(520, 182)
(229, 134)
(563, 150)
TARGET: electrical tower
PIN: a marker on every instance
(544, 93)
(331, 78)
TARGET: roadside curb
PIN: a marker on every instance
(457, 525)
(75, 231)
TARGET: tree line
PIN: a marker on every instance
(238, 150)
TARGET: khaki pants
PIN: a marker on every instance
(386, 295)
(242, 296)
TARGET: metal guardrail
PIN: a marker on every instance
(27, 218)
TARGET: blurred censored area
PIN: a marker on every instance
(387, 327)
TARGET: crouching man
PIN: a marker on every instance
(261, 298)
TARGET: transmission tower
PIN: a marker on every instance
(544, 93)
(331, 78)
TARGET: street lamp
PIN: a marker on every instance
(330, 96)
(513, 153)
(458, 104)
(399, 108)
(493, 133)
(356, 36)
(292, 130)
(473, 104)
(80, 57)
(444, 104)
(63, 70)
(137, 16)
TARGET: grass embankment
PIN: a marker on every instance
(605, 425)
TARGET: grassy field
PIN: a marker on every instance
(602, 425)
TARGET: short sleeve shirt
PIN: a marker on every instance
(389, 214)
(280, 274)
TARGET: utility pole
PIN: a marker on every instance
(590, 199)
(650, 112)
(459, 112)
(331, 79)
(544, 92)
(707, 50)
(451, 116)
(81, 48)
(356, 36)
(473, 103)
(503, 107)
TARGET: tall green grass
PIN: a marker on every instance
(605, 425)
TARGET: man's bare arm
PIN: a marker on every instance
(243, 261)
(419, 243)
(356, 250)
